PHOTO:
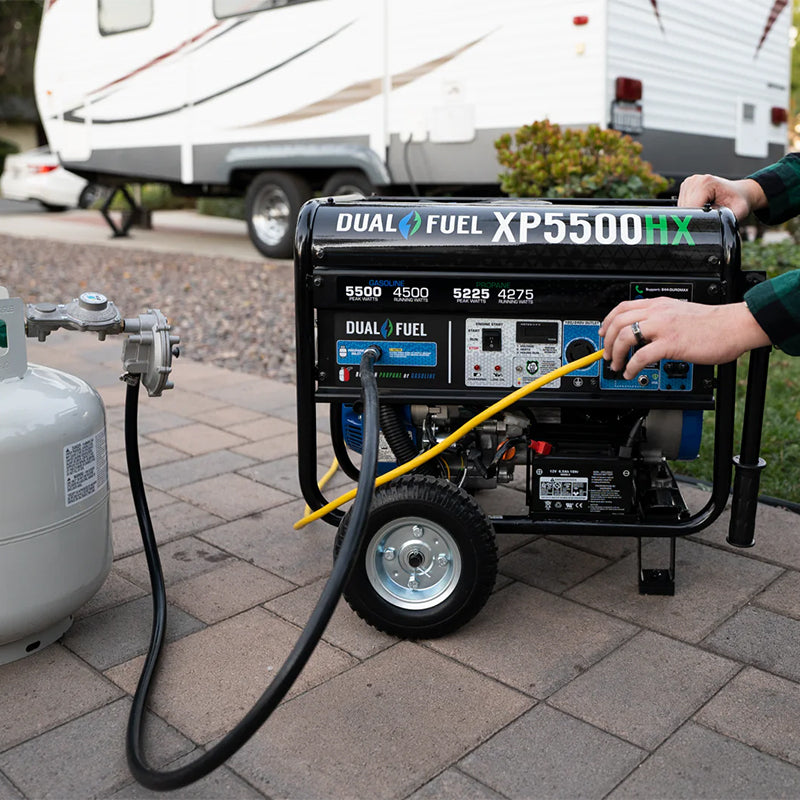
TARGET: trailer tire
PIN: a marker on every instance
(437, 536)
(349, 181)
(90, 194)
(52, 208)
(272, 203)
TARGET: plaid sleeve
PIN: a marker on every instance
(776, 306)
(781, 185)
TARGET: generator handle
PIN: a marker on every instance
(748, 464)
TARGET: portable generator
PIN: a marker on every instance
(468, 300)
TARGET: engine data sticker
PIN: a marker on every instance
(395, 353)
(85, 468)
(511, 352)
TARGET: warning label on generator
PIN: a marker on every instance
(404, 354)
(85, 468)
(582, 485)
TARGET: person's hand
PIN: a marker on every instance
(676, 329)
(741, 196)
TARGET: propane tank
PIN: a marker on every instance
(55, 525)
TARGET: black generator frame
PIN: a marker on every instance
(747, 464)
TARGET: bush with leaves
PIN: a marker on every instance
(542, 160)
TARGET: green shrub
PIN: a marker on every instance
(542, 160)
(232, 207)
(159, 196)
(154, 196)
(774, 257)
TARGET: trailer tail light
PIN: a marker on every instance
(779, 115)
(628, 90)
(581, 19)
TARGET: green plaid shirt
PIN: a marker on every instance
(781, 185)
(776, 303)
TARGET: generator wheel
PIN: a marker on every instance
(272, 203)
(428, 562)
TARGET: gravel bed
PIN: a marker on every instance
(235, 314)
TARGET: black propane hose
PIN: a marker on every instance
(308, 639)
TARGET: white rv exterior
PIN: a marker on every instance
(279, 99)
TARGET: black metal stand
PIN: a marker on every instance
(657, 581)
(133, 215)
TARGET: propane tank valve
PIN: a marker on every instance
(91, 311)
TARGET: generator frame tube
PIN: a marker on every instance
(748, 464)
(358, 263)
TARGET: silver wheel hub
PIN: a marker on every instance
(413, 564)
(270, 217)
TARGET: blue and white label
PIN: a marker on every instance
(398, 353)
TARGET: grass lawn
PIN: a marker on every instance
(780, 439)
(780, 443)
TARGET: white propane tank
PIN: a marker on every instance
(55, 523)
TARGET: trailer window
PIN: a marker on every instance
(232, 8)
(117, 16)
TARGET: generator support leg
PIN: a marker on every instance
(741, 531)
(657, 581)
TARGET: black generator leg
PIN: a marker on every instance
(657, 581)
(741, 531)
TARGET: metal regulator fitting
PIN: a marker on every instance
(147, 351)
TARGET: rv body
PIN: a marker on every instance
(281, 99)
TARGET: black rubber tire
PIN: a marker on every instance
(439, 503)
(52, 209)
(272, 203)
(348, 181)
(90, 194)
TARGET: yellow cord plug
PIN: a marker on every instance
(492, 410)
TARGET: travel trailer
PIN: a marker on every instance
(279, 100)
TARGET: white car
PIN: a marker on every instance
(38, 175)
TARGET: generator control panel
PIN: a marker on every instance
(470, 300)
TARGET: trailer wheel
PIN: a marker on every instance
(348, 182)
(428, 562)
(272, 203)
(90, 194)
(51, 208)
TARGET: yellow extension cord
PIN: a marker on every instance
(495, 408)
